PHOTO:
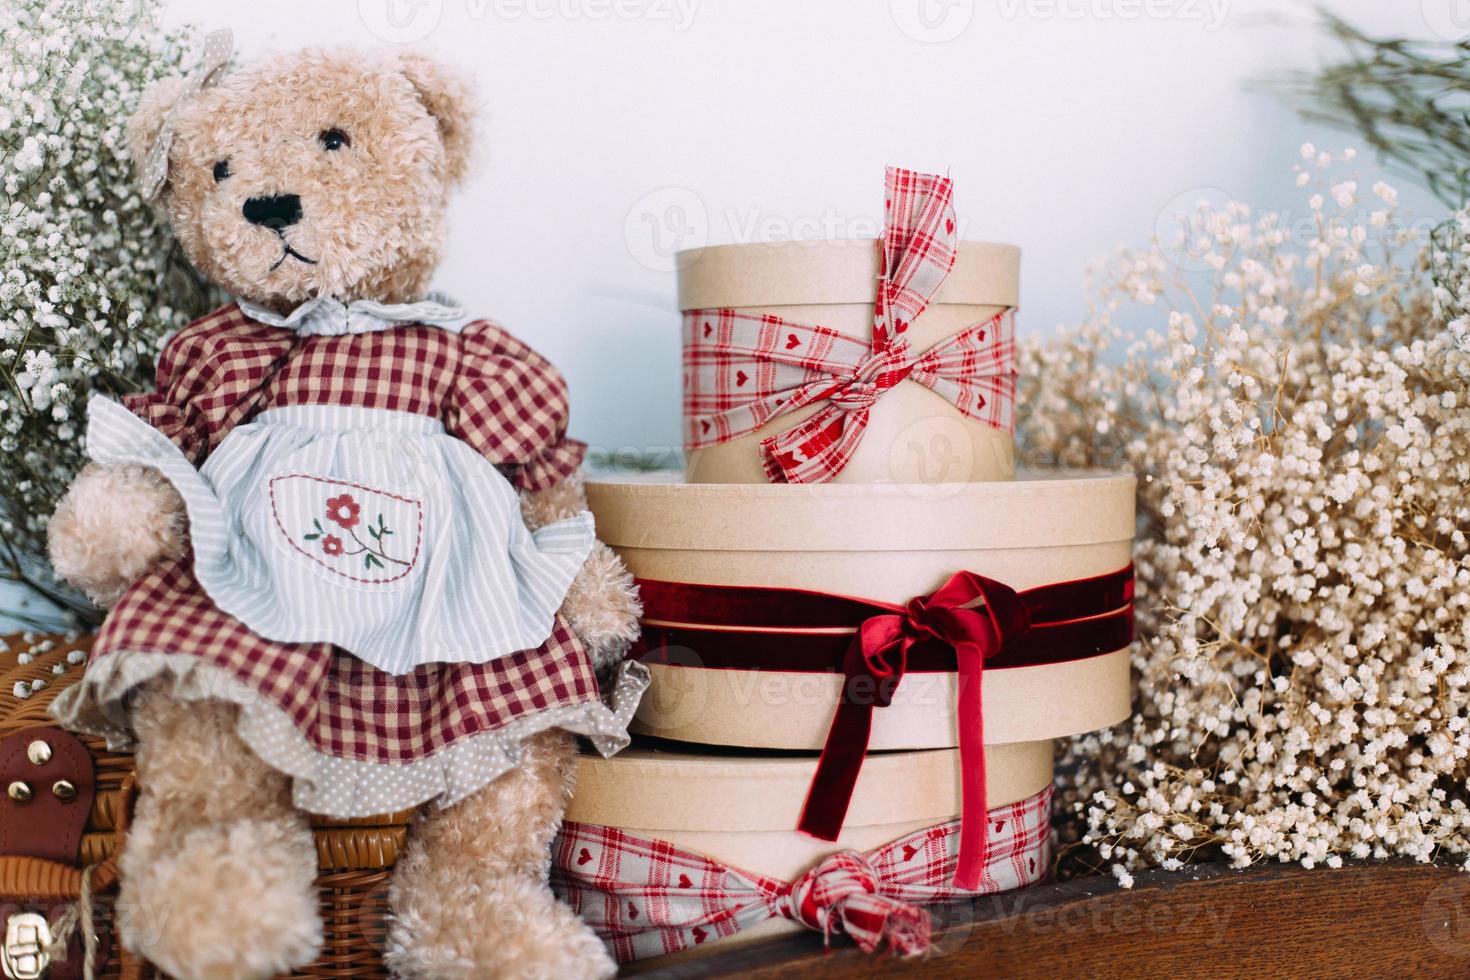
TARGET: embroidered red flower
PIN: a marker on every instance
(343, 511)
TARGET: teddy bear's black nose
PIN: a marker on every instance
(276, 212)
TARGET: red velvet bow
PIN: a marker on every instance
(975, 617)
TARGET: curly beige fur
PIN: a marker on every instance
(469, 895)
(218, 875)
(372, 211)
(218, 870)
(112, 525)
(602, 605)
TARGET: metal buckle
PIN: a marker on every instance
(23, 957)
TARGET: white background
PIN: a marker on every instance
(615, 130)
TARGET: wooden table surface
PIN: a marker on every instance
(1382, 919)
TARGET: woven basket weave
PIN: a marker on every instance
(354, 856)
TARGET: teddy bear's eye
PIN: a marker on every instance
(334, 139)
(221, 170)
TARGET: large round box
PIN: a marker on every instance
(882, 542)
(742, 809)
(913, 435)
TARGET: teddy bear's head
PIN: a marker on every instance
(319, 173)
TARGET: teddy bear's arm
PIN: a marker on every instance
(511, 405)
(117, 521)
(112, 525)
(602, 606)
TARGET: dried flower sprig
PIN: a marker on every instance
(1301, 430)
(90, 278)
(1408, 100)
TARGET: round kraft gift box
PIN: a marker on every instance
(913, 435)
(728, 669)
(740, 809)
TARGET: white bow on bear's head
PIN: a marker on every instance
(218, 45)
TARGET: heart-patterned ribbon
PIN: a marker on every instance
(651, 897)
(153, 174)
(741, 370)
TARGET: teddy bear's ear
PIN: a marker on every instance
(449, 97)
(153, 108)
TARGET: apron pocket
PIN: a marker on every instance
(347, 531)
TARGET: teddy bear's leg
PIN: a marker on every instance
(470, 897)
(218, 868)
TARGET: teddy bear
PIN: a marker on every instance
(344, 545)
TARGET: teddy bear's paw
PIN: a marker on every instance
(113, 524)
(511, 928)
(228, 901)
(602, 606)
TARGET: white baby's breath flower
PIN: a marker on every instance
(90, 280)
(1302, 437)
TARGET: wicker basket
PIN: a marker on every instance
(355, 857)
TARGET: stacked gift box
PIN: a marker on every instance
(864, 628)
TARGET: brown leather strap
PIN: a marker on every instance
(49, 887)
(40, 837)
(49, 786)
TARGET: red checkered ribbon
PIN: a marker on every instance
(741, 370)
(649, 897)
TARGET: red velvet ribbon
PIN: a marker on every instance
(969, 624)
(973, 616)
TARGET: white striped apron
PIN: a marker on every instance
(370, 529)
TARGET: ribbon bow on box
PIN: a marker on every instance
(973, 616)
(741, 370)
(650, 897)
(969, 625)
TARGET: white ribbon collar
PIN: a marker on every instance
(328, 317)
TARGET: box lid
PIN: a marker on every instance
(660, 511)
(658, 786)
(804, 273)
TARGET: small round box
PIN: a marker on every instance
(913, 434)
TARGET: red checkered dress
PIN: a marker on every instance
(490, 390)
